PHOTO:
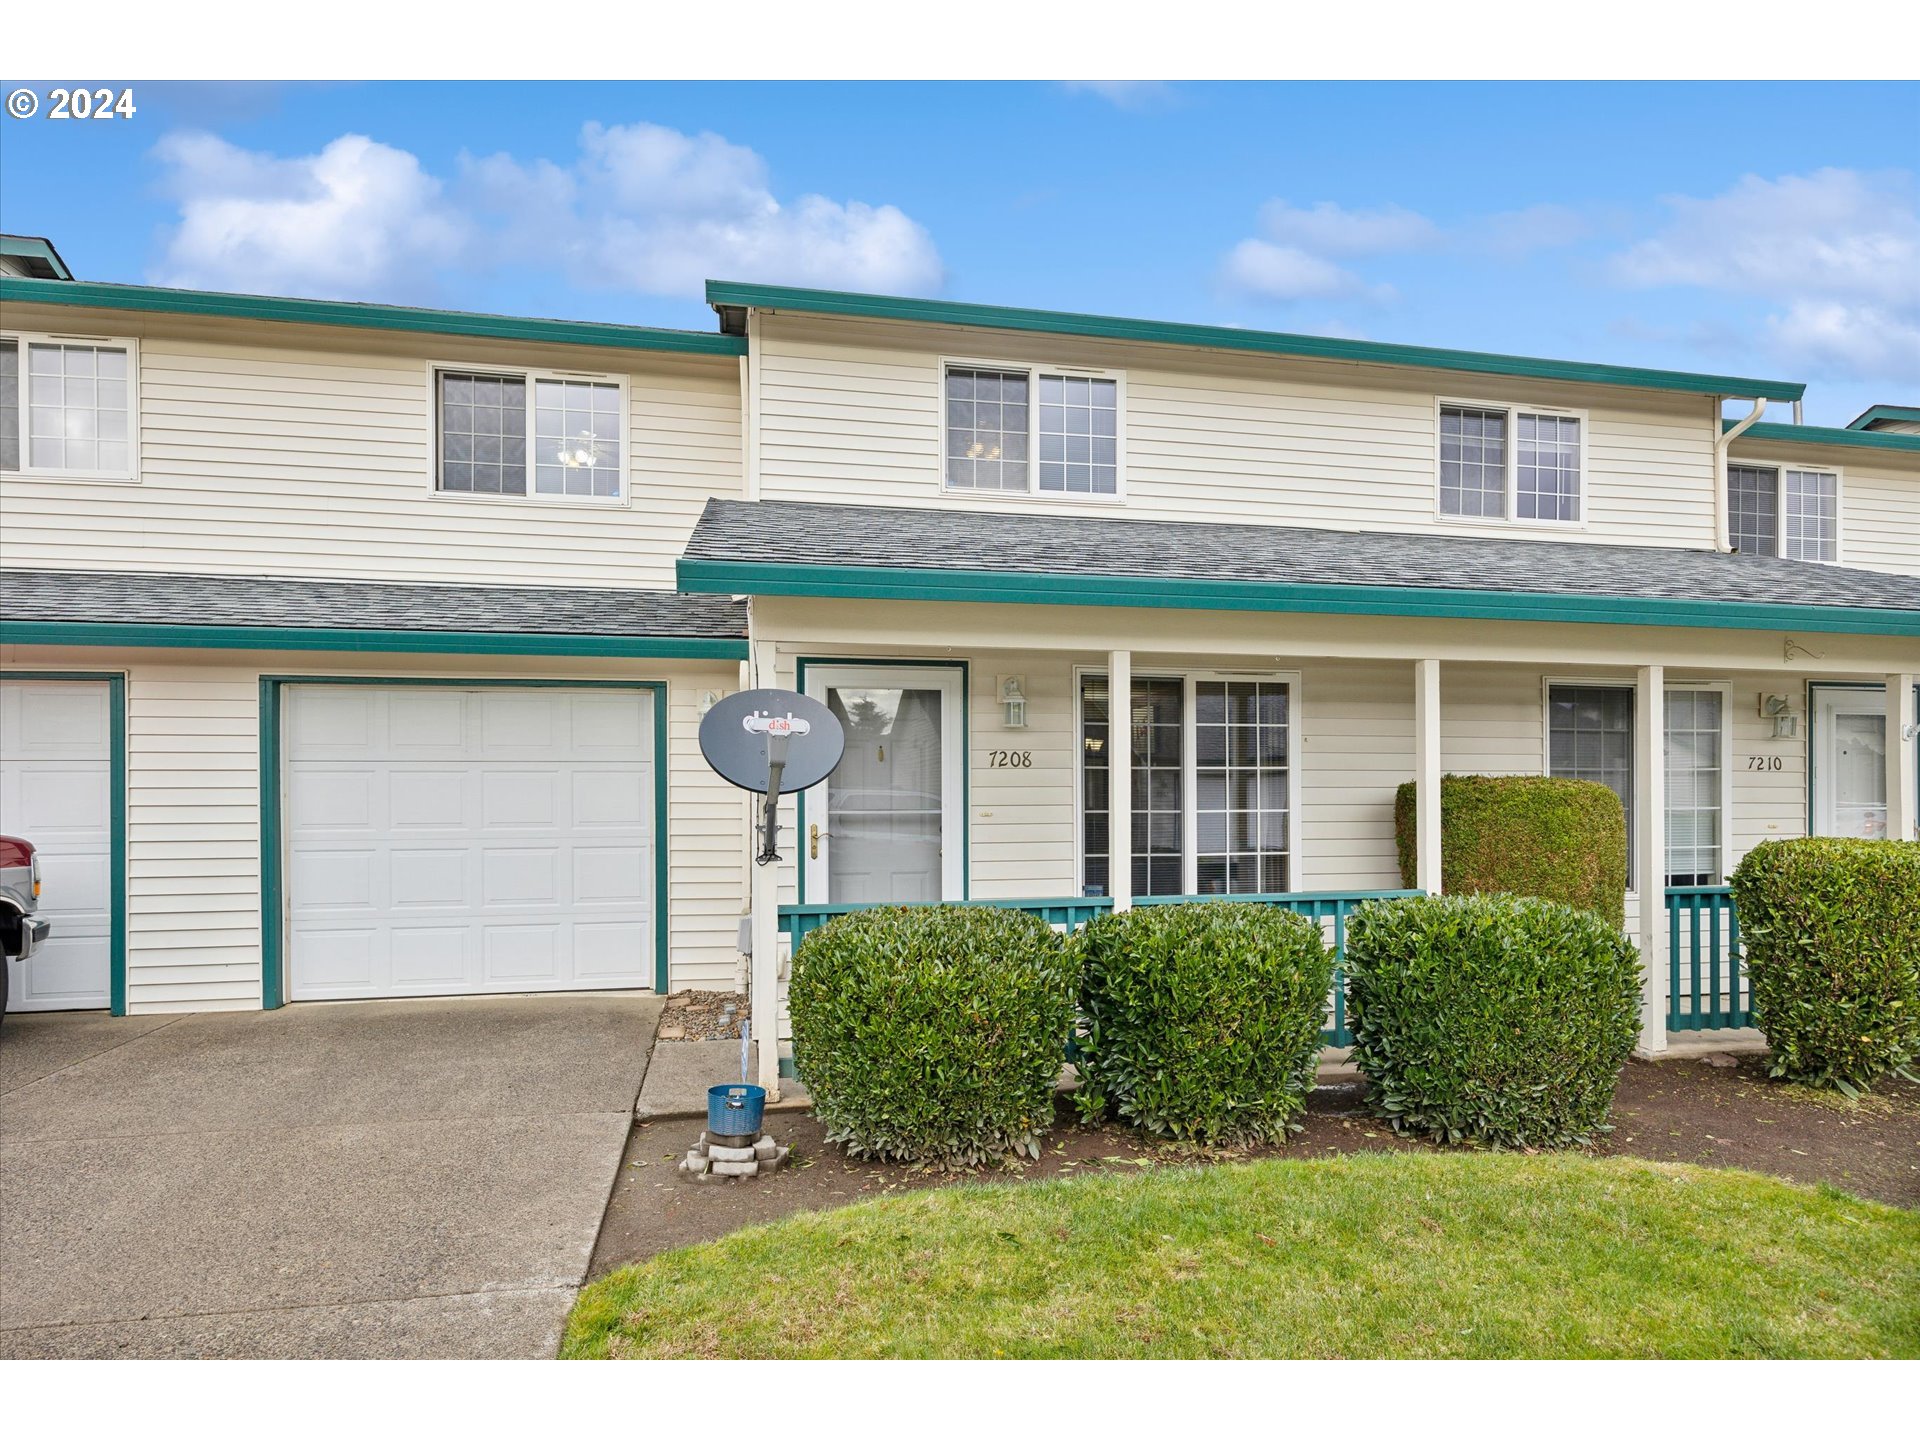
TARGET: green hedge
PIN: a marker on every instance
(1560, 840)
(1491, 1018)
(932, 1032)
(1832, 936)
(1202, 1021)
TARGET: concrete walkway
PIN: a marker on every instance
(391, 1178)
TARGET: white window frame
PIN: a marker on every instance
(30, 471)
(1614, 682)
(530, 374)
(1780, 468)
(1189, 786)
(1513, 410)
(1724, 689)
(1033, 372)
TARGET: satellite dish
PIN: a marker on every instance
(772, 742)
(736, 730)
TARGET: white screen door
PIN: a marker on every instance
(886, 826)
(1850, 764)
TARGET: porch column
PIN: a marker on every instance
(763, 984)
(1120, 778)
(1902, 822)
(1426, 774)
(1650, 864)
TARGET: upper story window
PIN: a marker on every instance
(1779, 510)
(530, 433)
(1500, 462)
(1032, 431)
(68, 406)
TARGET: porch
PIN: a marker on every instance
(1706, 985)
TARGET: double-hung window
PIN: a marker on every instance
(1590, 737)
(530, 433)
(1213, 785)
(69, 406)
(1784, 510)
(1031, 430)
(1504, 462)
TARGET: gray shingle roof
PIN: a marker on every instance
(799, 533)
(260, 600)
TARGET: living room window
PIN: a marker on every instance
(1032, 430)
(1784, 510)
(1213, 793)
(531, 434)
(1504, 462)
(69, 407)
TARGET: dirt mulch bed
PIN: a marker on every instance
(1682, 1110)
(703, 1015)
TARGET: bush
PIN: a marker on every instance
(932, 1032)
(1202, 1021)
(1560, 840)
(1832, 936)
(1491, 1018)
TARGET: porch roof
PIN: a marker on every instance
(56, 607)
(799, 548)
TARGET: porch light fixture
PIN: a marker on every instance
(1013, 702)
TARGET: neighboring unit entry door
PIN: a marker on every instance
(887, 825)
(1850, 763)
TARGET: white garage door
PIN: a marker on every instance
(444, 840)
(56, 762)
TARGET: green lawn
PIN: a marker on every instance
(1364, 1255)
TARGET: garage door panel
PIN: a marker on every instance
(615, 799)
(338, 719)
(484, 857)
(56, 789)
(523, 799)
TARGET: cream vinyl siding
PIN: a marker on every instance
(302, 450)
(193, 812)
(1880, 517)
(851, 412)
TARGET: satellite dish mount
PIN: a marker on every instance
(771, 742)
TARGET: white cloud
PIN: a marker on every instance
(1126, 94)
(648, 208)
(359, 219)
(1330, 229)
(1515, 233)
(1295, 258)
(1835, 255)
(1286, 272)
(638, 207)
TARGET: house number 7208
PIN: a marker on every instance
(1010, 759)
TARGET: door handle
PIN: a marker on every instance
(813, 841)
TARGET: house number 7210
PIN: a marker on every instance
(1010, 759)
(1764, 762)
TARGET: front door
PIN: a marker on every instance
(886, 826)
(1850, 763)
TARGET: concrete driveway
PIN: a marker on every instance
(388, 1178)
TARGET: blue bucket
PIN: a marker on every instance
(735, 1109)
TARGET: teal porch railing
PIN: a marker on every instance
(1330, 907)
(1707, 984)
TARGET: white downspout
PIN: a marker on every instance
(1721, 541)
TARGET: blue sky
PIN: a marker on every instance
(1746, 228)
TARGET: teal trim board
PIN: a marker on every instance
(735, 577)
(153, 299)
(1825, 435)
(273, 987)
(1873, 413)
(727, 294)
(32, 247)
(116, 684)
(399, 642)
(966, 755)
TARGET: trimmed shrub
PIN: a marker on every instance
(1560, 840)
(1832, 936)
(1202, 1021)
(1498, 1019)
(932, 1032)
